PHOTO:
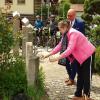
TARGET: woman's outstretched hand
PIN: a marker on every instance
(53, 59)
(45, 56)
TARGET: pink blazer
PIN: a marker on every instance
(78, 46)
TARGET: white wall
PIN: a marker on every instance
(27, 8)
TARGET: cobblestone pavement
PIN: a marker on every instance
(55, 76)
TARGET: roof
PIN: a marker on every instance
(78, 7)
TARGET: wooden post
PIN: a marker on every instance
(27, 34)
(16, 30)
(32, 62)
(32, 65)
(27, 37)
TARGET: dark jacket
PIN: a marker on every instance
(79, 25)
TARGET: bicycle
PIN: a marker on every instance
(37, 34)
(53, 41)
(45, 35)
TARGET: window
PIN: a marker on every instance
(21, 1)
(8, 1)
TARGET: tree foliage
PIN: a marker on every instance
(91, 17)
(63, 8)
(13, 80)
(6, 36)
(12, 69)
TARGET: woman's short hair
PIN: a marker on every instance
(63, 23)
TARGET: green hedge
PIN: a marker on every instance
(97, 60)
(13, 79)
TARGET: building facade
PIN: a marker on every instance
(22, 6)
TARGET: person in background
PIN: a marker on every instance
(53, 25)
(79, 25)
(38, 22)
(76, 23)
(82, 51)
(39, 26)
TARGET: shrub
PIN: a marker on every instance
(92, 20)
(97, 59)
(12, 69)
(62, 9)
(13, 82)
(6, 37)
(13, 79)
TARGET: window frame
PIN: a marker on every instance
(8, 2)
(19, 3)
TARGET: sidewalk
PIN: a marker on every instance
(55, 76)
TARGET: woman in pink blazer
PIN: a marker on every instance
(81, 50)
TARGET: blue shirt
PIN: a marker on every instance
(38, 24)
